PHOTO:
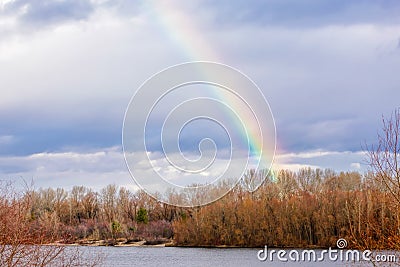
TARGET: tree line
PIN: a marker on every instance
(310, 207)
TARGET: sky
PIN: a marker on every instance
(68, 69)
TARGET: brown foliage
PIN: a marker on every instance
(308, 208)
(24, 241)
(286, 214)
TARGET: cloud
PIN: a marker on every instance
(328, 70)
(289, 13)
(327, 85)
(324, 159)
(355, 165)
(320, 72)
(284, 14)
(93, 169)
(98, 168)
(45, 12)
(78, 95)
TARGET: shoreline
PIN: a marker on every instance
(160, 243)
(121, 242)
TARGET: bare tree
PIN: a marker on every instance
(252, 179)
(28, 242)
(127, 203)
(384, 156)
(109, 200)
(384, 160)
(309, 180)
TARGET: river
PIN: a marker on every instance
(177, 256)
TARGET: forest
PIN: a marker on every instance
(307, 208)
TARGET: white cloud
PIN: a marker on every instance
(355, 165)
(308, 155)
(293, 166)
(97, 169)
(336, 160)
(94, 169)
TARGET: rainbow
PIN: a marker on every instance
(182, 30)
(187, 35)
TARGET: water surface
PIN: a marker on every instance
(177, 256)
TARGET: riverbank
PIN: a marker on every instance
(161, 242)
(123, 242)
(119, 242)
